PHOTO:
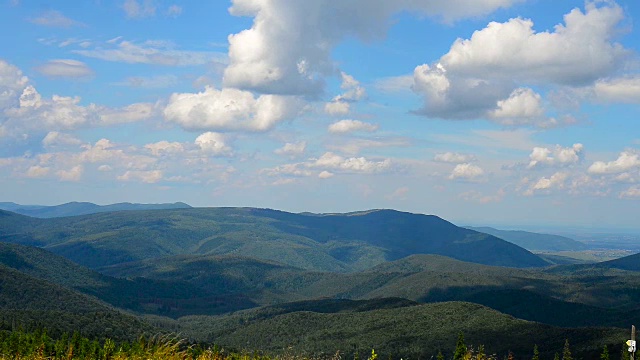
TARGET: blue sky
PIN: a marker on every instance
(500, 112)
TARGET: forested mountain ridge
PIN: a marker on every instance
(82, 208)
(334, 242)
(533, 241)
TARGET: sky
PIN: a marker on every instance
(483, 112)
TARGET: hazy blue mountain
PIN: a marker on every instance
(82, 208)
(631, 263)
(534, 241)
(334, 242)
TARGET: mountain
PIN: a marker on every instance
(630, 263)
(534, 241)
(401, 329)
(331, 242)
(141, 295)
(28, 303)
(82, 208)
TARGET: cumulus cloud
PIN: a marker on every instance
(37, 171)
(292, 149)
(65, 68)
(337, 108)
(12, 83)
(482, 77)
(455, 158)
(334, 161)
(55, 139)
(556, 181)
(556, 156)
(325, 175)
(631, 193)
(627, 160)
(147, 176)
(287, 50)
(466, 171)
(213, 143)
(73, 174)
(230, 110)
(164, 147)
(348, 126)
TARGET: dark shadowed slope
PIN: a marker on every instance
(534, 241)
(82, 208)
(630, 263)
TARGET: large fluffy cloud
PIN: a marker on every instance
(627, 160)
(229, 109)
(555, 156)
(287, 50)
(491, 74)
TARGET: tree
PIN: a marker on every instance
(461, 348)
(605, 353)
(440, 356)
(536, 353)
(625, 352)
(557, 357)
(566, 352)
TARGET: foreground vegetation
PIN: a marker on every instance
(38, 345)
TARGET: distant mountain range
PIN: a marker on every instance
(81, 208)
(335, 242)
(250, 278)
(534, 241)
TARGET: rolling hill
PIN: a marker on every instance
(28, 303)
(82, 208)
(534, 241)
(403, 330)
(332, 242)
(630, 263)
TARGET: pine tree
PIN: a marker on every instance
(461, 348)
(566, 352)
(605, 353)
(557, 357)
(536, 353)
(625, 352)
(440, 356)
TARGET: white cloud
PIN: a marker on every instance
(627, 160)
(337, 108)
(353, 146)
(165, 148)
(55, 18)
(325, 175)
(292, 149)
(73, 174)
(556, 181)
(153, 82)
(556, 156)
(618, 90)
(12, 83)
(348, 126)
(65, 68)
(150, 52)
(213, 143)
(333, 161)
(486, 76)
(54, 138)
(631, 193)
(466, 171)
(138, 10)
(229, 109)
(282, 54)
(455, 158)
(398, 194)
(148, 176)
(130, 113)
(37, 171)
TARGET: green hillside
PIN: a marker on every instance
(414, 331)
(142, 295)
(335, 242)
(631, 263)
(534, 241)
(27, 302)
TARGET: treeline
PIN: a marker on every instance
(39, 345)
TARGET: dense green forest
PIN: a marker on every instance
(256, 279)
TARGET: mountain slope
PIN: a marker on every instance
(28, 302)
(82, 208)
(151, 296)
(413, 331)
(336, 242)
(630, 263)
(534, 241)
